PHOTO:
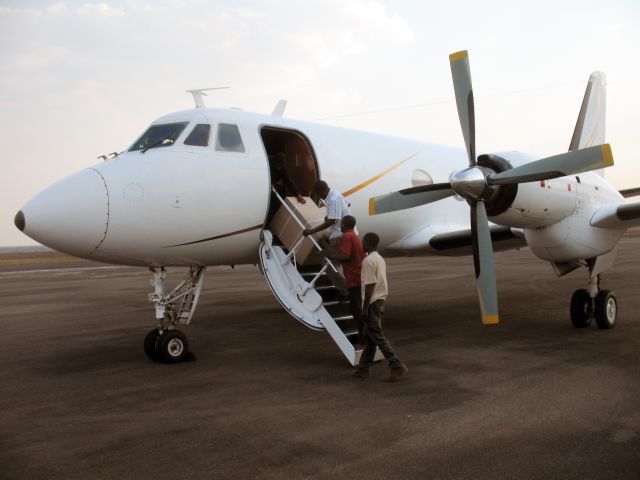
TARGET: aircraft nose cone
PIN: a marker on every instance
(70, 216)
(19, 220)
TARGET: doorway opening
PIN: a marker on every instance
(294, 150)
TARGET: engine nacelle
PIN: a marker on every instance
(528, 205)
(555, 214)
(571, 239)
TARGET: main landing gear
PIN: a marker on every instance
(165, 343)
(590, 303)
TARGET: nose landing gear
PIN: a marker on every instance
(165, 343)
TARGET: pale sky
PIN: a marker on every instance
(79, 79)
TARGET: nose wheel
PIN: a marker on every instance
(168, 346)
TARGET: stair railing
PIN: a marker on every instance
(291, 255)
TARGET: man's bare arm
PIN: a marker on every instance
(326, 224)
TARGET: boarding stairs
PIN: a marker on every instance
(305, 291)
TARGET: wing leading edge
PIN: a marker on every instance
(460, 242)
(625, 215)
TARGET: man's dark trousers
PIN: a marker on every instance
(355, 306)
(375, 338)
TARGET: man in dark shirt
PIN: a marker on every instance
(350, 253)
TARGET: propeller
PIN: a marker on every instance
(476, 184)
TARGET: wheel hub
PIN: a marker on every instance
(611, 309)
(175, 347)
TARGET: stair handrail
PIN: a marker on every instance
(293, 214)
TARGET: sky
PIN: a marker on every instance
(80, 79)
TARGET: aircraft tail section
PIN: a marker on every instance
(590, 127)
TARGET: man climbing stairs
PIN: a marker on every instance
(295, 270)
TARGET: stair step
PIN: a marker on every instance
(323, 288)
(329, 303)
(342, 318)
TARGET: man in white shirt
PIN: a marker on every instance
(374, 294)
(337, 209)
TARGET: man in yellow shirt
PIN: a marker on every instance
(374, 294)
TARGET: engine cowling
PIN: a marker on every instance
(502, 196)
(528, 205)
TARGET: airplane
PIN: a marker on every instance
(195, 190)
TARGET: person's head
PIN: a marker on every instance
(370, 242)
(279, 160)
(321, 188)
(347, 223)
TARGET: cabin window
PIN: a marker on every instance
(228, 139)
(159, 136)
(199, 136)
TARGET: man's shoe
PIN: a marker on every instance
(361, 373)
(396, 373)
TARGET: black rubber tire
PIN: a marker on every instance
(581, 309)
(172, 346)
(150, 342)
(606, 309)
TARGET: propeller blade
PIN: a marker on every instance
(569, 163)
(461, 76)
(409, 198)
(483, 262)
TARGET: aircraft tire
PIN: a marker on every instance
(606, 309)
(150, 342)
(581, 309)
(172, 346)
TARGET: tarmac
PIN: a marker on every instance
(267, 398)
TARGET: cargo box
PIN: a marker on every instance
(288, 231)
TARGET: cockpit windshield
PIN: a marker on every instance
(159, 136)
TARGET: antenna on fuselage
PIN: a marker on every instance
(279, 110)
(198, 93)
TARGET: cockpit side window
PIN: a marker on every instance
(159, 136)
(228, 138)
(199, 136)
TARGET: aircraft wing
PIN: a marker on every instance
(460, 242)
(630, 192)
(625, 215)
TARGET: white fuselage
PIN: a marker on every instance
(194, 205)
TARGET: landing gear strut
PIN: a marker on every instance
(165, 343)
(590, 303)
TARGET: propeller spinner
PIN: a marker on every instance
(475, 184)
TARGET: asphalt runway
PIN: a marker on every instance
(268, 398)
